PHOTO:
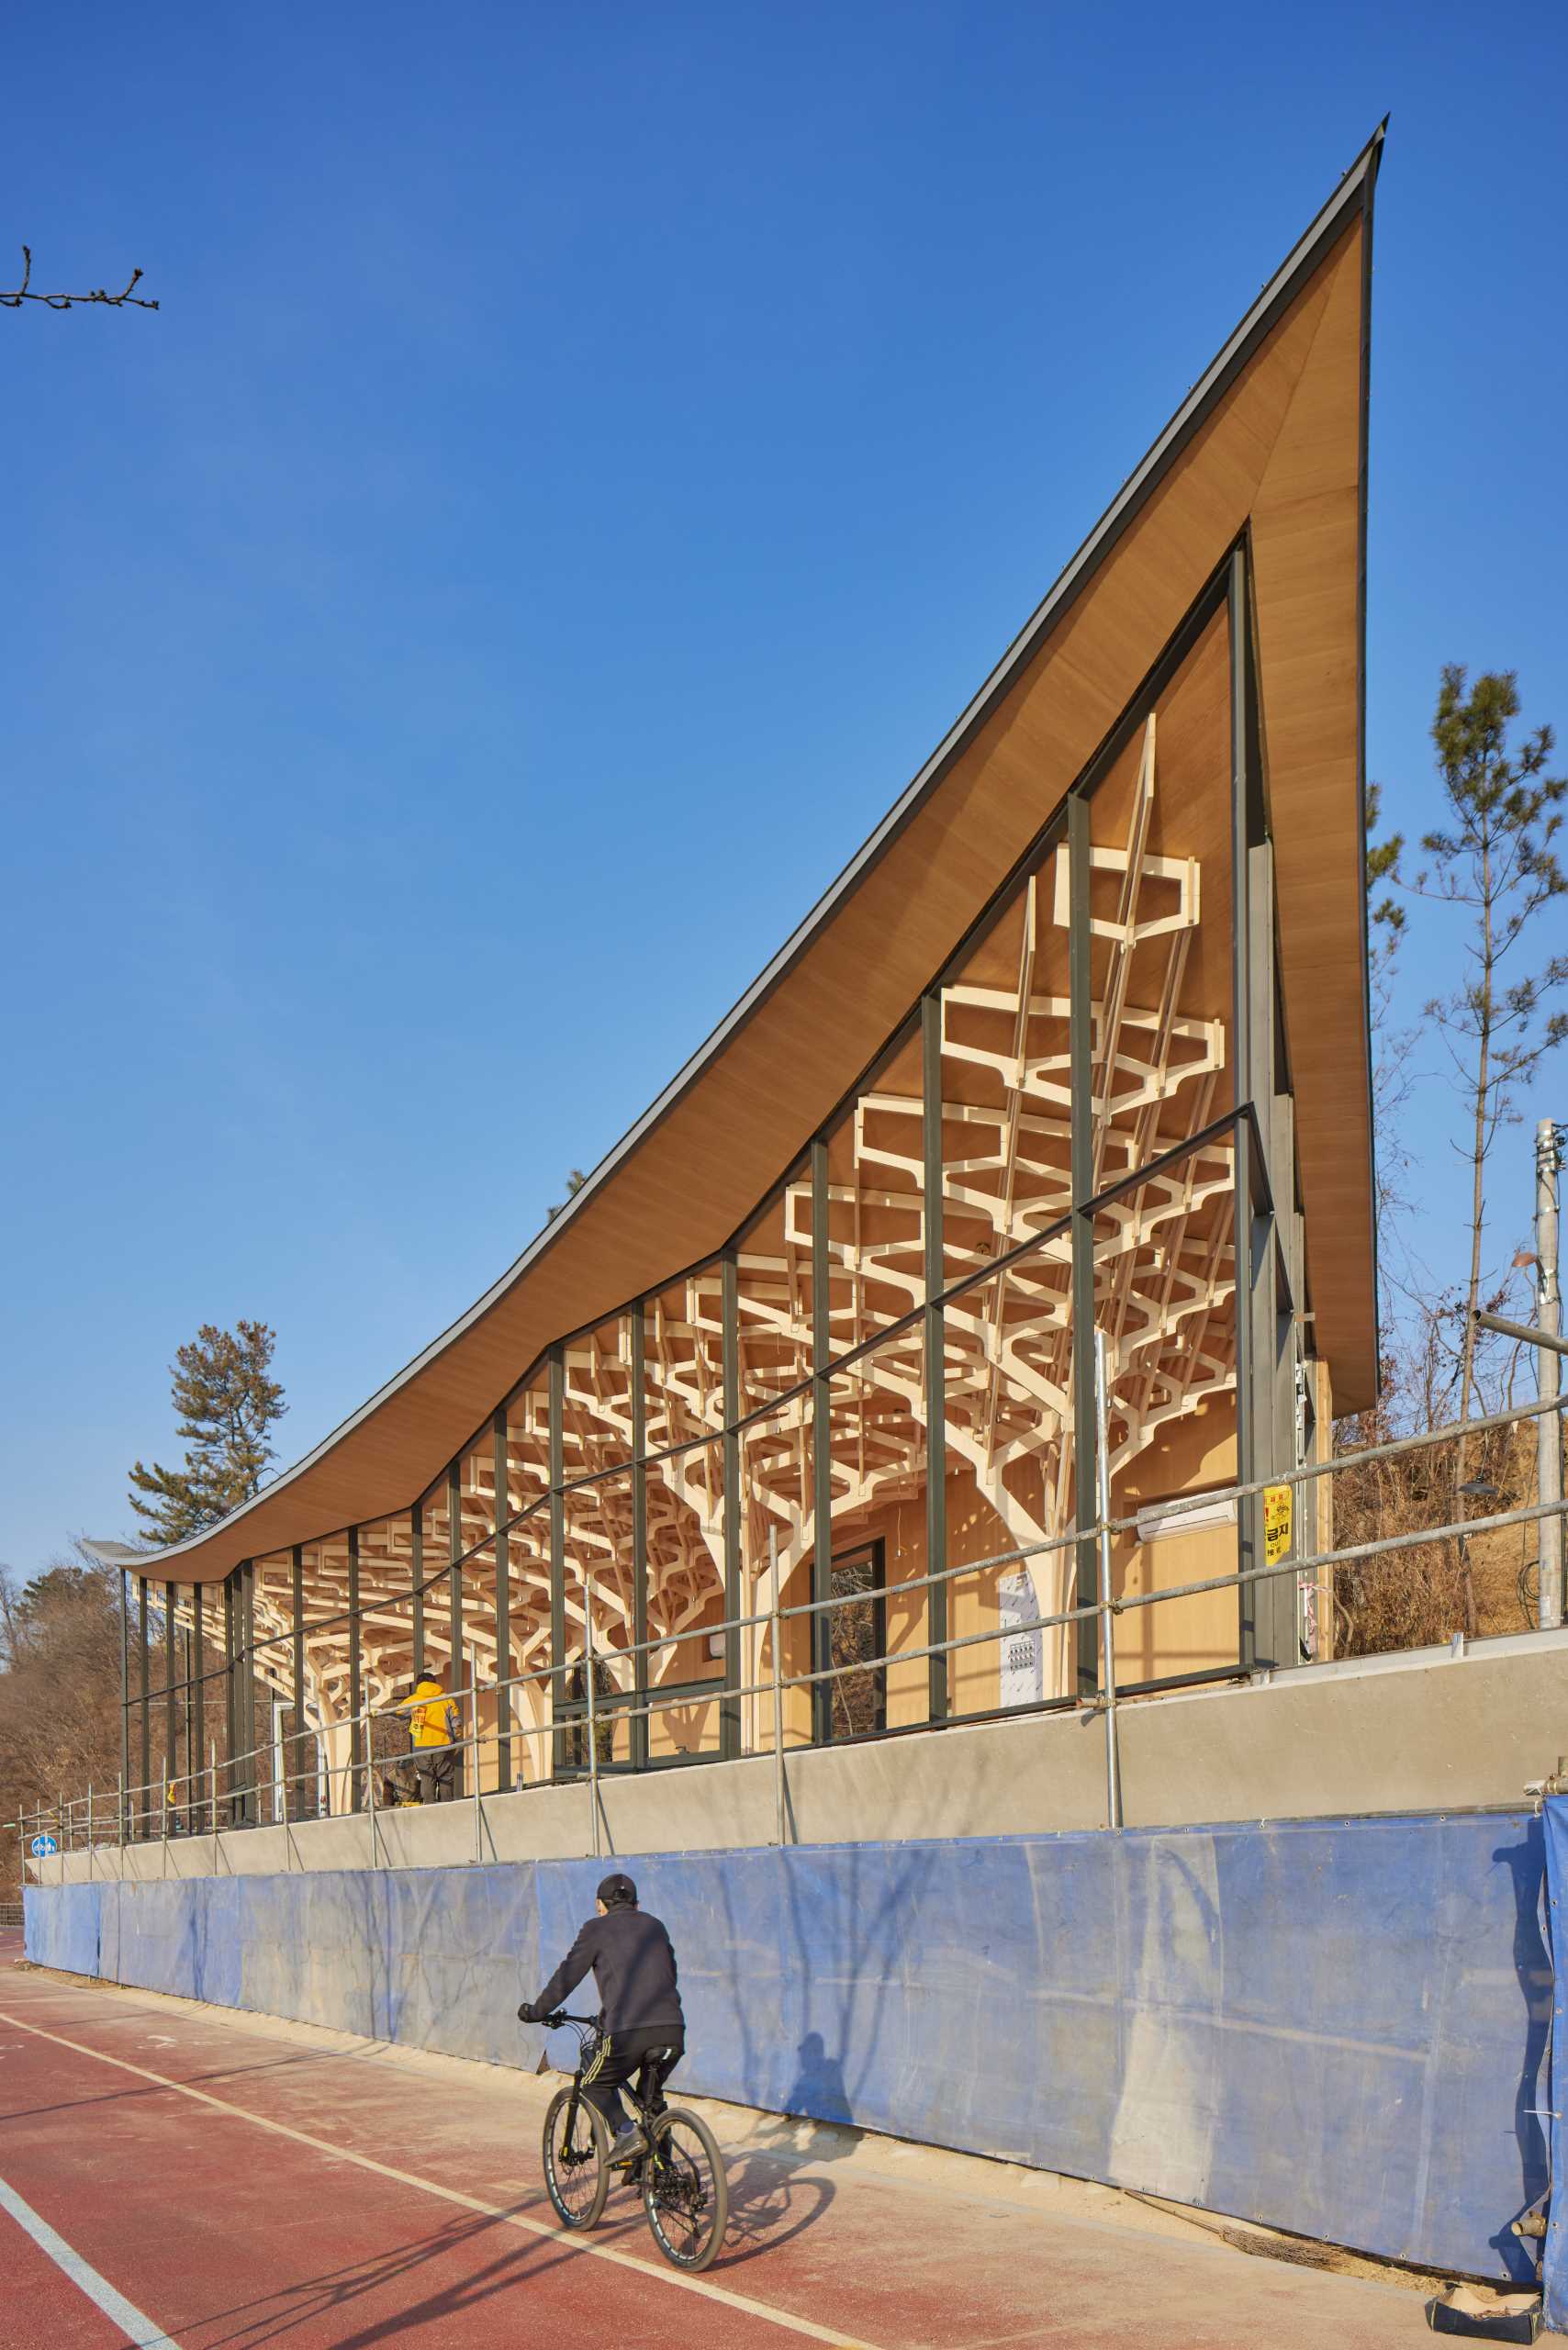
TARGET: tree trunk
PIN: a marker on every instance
(1477, 1221)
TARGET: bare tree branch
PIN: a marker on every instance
(14, 298)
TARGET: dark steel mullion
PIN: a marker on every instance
(1248, 1512)
(417, 1570)
(171, 1708)
(188, 1773)
(1081, 1054)
(936, 1363)
(145, 1677)
(503, 1613)
(249, 1775)
(196, 1692)
(556, 1397)
(730, 1708)
(459, 1677)
(296, 1601)
(124, 1700)
(230, 1686)
(821, 1445)
(356, 1680)
(641, 1724)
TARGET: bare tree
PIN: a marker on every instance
(60, 1692)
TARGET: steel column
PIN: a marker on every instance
(1080, 1055)
(195, 1727)
(1266, 1609)
(935, 1355)
(503, 1614)
(146, 1700)
(124, 1699)
(171, 1707)
(248, 1775)
(641, 1725)
(1548, 1370)
(820, 1645)
(186, 1643)
(357, 1756)
(417, 1574)
(296, 1610)
(454, 1621)
(557, 1407)
(730, 1706)
(230, 1681)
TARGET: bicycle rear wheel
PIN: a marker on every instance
(577, 2175)
(685, 2192)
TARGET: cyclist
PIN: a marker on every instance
(633, 1966)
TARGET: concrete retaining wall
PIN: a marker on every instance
(1335, 2027)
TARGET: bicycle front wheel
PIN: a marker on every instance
(685, 2192)
(576, 2173)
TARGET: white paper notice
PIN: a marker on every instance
(1023, 1653)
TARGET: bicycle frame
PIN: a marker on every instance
(590, 2038)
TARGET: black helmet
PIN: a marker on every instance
(617, 1892)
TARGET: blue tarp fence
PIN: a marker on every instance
(1554, 2273)
(1336, 2027)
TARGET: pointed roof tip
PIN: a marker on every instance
(1367, 157)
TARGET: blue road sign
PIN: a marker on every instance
(42, 1846)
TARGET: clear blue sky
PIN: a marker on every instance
(584, 459)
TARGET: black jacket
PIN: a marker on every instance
(633, 1965)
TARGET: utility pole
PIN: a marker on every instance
(1549, 1368)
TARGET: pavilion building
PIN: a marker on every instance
(1051, 1119)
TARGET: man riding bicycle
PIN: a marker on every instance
(644, 2029)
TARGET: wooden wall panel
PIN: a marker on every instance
(1306, 543)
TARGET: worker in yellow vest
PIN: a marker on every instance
(434, 1725)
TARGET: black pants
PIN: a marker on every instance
(655, 2052)
(435, 1768)
(426, 1774)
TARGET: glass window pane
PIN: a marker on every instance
(686, 1600)
(1165, 1296)
(1009, 1426)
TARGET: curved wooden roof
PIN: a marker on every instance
(1273, 438)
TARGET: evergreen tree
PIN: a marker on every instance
(227, 1403)
(1494, 858)
(574, 1182)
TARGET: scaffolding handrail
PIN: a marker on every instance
(242, 1786)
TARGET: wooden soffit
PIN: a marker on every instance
(1271, 438)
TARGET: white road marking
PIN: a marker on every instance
(646, 2269)
(137, 2329)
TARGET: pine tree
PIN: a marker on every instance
(575, 1181)
(1495, 859)
(227, 1403)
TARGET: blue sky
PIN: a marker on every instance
(583, 461)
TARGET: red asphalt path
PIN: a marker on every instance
(388, 2204)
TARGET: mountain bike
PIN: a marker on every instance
(680, 2177)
